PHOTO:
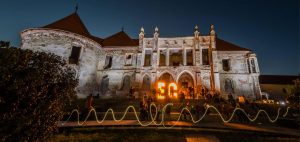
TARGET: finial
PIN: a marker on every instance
(142, 30)
(212, 29)
(76, 7)
(156, 29)
(122, 29)
(142, 33)
(196, 32)
(196, 28)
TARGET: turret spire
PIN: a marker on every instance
(196, 32)
(212, 30)
(76, 7)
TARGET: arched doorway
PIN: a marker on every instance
(186, 85)
(166, 78)
(146, 83)
(126, 84)
(168, 89)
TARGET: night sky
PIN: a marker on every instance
(268, 27)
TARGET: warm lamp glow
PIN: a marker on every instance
(160, 97)
(160, 87)
(161, 90)
(174, 90)
(175, 95)
(160, 84)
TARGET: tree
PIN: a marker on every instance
(4, 43)
(294, 98)
(35, 88)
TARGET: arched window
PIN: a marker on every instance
(146, 82)
(229, 86)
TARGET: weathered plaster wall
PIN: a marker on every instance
(244, 83)
(93, 59)
(61, 43)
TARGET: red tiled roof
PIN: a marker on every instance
(277, 79)
(97, 39)
(119, 39)
(73, 23)
(223, 45)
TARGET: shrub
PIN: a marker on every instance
(35, 87)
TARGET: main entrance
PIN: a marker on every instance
(166, 86)
(186, 85)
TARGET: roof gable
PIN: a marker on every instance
(222, 45)
(119, 39)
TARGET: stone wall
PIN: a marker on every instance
(244, 83)
(61, 43)
(94, 78)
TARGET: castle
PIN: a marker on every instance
(115, 64)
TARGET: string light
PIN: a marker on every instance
(162, 122)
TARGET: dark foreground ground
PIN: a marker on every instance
(150, 134)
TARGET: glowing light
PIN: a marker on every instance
(171, 94)
(162, 122)
(175, 95)
(160, 87)
(160, 97)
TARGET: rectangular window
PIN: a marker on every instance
(225, 63)
(176, 58)
(205, 60)
(108, 62)
(253, 66)
(189, 57)
(248, 65)
(147, 61)
(162, 58)
(75, 54)
(128, 60)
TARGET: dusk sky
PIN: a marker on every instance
(270, 28)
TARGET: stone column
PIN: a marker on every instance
(200, 52)
(256, 65)
(158, 57)
(194, 60)
(143, 58)
(184, 56)
(167, 57)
